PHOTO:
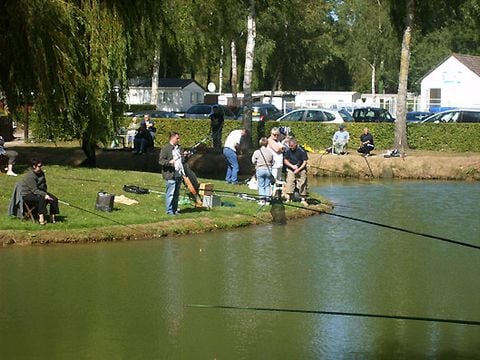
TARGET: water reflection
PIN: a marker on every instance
(128, 300)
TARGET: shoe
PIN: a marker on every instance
(261, 202)
(42, 222)
(11, 173)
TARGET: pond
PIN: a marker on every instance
(132, 300)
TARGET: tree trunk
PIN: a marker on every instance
(248, 72)
(88, 147)
(233, 81)
(401, 124)
(155, 77)
(26, 122)
(220, 71)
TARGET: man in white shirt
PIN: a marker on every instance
(340, 141)
(232, 145)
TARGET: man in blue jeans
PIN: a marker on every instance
(232, 145)
(170, 160)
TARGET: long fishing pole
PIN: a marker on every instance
(93, 213)
(338, 313)
(388, 226)
(369, 168)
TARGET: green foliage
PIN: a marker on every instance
(441, 137)
(463, 137)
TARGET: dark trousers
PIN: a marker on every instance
(41, 203)
(217, 138)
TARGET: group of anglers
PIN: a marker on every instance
(277, 155)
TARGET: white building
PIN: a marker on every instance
(175, 95)
(326, 99)
(455, 82)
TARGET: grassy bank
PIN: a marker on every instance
(80, 222)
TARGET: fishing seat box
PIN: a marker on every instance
(210, 201)
(206, 189)
(104, 202)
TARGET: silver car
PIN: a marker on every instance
(455, 115)
(321, 115)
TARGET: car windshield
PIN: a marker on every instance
(293, 116)
(199, 109)
(345, 115)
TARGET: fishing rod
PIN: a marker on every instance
(369, 168)
(338, 313)
(93, 213)
(388, 226)
(253, 197)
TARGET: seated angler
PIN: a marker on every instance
(142, 140)
(34, 191)
(340, 141)
(367, 144)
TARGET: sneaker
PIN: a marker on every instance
(304, 202)
(11, 173)
(261, 202)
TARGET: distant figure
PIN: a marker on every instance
(10, 154)
(295, 160)
(276, 147)
(142, 140)
(216, 127)
(340, 141)
(263, 161)
(367, 144)
(170, 160)
(34, 191)
(131, 131)
(151, 129)
(230, 150)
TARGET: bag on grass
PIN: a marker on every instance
(135, 189)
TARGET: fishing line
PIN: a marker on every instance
(338, 313)
(93, 213)
(388, 227)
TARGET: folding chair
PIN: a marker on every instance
(29, 211)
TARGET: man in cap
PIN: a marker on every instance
(340, 141)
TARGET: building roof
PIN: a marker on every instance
(472, 62)
(163, 82)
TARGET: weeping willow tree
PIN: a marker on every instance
(71, 57)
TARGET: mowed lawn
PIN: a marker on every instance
(79, 187)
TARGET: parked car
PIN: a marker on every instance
(417, 116)
(372, 114)
(321, 115)
(261, 112)
(203, 111)
(456, 115)
(159, 114)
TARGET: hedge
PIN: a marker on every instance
(455, 137)
(442, 137)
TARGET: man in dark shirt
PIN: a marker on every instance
(216, 126)
(295, 160)
(367, 144)
(170, 160)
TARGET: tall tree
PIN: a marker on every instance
(248, 69)
(401, 123)
(70, 56)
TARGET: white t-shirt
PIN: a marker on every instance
(233, 139)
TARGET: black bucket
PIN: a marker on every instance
(104, 201)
